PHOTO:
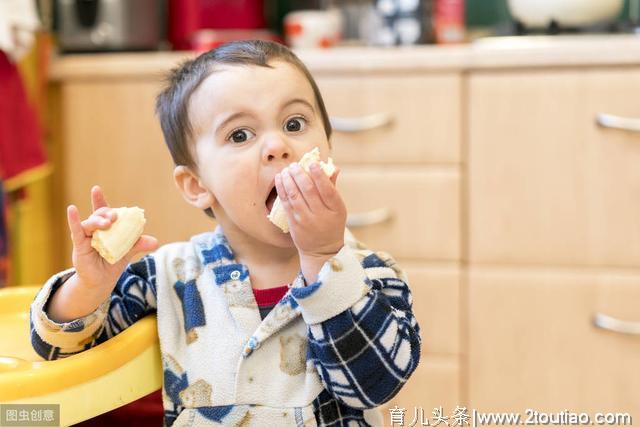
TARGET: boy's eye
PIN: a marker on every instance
(295, 124)
(240, 135)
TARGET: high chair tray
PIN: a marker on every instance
(114, 373)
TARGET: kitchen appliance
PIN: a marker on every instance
(564, 13)
(188, 17)
(110, 25)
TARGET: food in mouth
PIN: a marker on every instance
(277, 214)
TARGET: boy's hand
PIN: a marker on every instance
(93, 270)
(316, 212)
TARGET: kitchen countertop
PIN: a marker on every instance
(487, 53)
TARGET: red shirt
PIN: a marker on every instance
(270, 296)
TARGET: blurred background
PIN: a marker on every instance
(53, 29)
(501, 135)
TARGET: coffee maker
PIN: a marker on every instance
(110, 25)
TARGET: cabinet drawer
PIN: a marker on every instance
(424, 110)
(434, 384)
(423, 204)
(533, 344)
(436, 305)
(547, 184)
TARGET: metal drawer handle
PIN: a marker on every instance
(360, 124)
(365, 219)
(616, 325)
(616, 122)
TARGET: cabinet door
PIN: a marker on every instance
(533, 342)
(424, 113)
(547, 185)
(436, 305)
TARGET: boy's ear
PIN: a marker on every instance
(189, 185)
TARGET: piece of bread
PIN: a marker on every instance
(278, 216)
(114, 243)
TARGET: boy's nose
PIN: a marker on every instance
(276, 148)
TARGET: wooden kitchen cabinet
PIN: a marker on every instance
(547, 185)
(553, 220)
(533, 343)
(515, 216)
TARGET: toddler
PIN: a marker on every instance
(257, 327)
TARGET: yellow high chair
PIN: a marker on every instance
(112, 374)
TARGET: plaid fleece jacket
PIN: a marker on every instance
(326, 355)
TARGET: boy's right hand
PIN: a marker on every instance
(93, 270)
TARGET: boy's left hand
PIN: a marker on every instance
(316, 212)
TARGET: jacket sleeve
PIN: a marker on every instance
(363, 336)
(133, 297)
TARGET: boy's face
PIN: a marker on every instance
(249, 122)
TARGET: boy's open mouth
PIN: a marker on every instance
(271, 198)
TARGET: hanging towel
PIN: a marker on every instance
(22, 157)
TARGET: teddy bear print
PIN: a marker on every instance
(196, 394)
(293, 354)
(246, 420)
(238, 294)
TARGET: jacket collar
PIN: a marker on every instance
(218, 260)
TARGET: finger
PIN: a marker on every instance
(93, 223)
(327, 189)
(145, 243)
(294, 195)
(282, 194)
(106, 212)
(97, 198)
(307, 188)
(77, 232)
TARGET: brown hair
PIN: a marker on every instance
(172, 103)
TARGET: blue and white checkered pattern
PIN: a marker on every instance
(365, 354)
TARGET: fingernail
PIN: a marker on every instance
(294, 167)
